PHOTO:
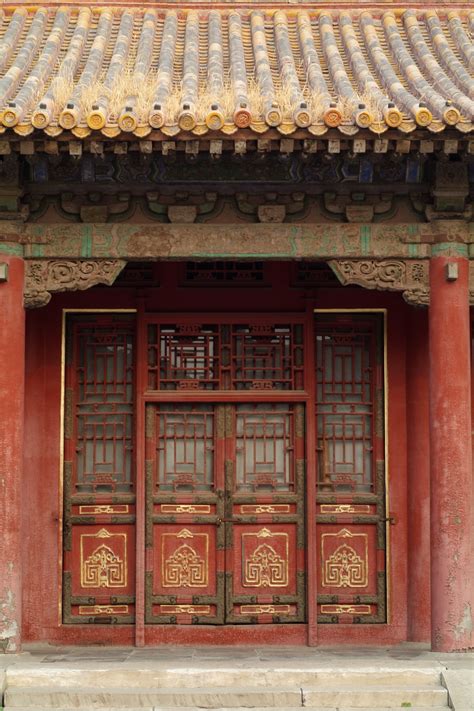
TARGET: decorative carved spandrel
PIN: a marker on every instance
(409, 276)
(43, 277)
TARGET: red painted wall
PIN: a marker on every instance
(42, 495)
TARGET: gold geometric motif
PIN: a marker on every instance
(265, 568)
(344, 568)
(104, 568)
(104, 509)
(103, 609)
(264, 508)
(345, 508)
(265, 609)
(185, 508)
(345, 609)
(185, 609)
(185, 568)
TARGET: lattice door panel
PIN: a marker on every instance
(265, 561)
(351, 468)
(99, 477)
(185, 546)
(224, 531)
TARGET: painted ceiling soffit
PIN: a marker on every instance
(196, 73)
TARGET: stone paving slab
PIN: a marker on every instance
(357, 695)
(460, 685)
(146, 675)
(227, 708)
(169, 663)
(362, 696)
(203, 697)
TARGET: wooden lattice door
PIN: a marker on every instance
(99, 471)
(225, 470)
(223, 482)
(225, 521)
(351, 487)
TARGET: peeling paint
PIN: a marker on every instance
(8, 625)
(464, 627)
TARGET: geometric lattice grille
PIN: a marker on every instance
(222, 273)
(183, 357)
(103, 408)
(232, 356)
(346, 373)
(186, 448)
(267, 356)
(264, 447)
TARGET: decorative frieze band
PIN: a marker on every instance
(45, 276)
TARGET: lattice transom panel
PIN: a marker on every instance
(267, 356)
(185, 460)
(183, 357)
(264, 447)
(224, 273)
(346, 393)
(248, 356)
(103, 408)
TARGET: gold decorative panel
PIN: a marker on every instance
(264, 508)
(186, 508)
(265, 566)
(106, 565)
(94, 509)
(103, 609)
(185, 567)
(265, 609)
(345, 609)
(185, 609)
(345, 508)
(345, 567)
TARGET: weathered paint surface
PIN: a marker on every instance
(12, 360)
(451, 458)
(245, 241)
(418, 464)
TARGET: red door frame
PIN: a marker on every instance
(228, 634)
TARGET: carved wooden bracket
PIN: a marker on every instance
(45, 276)
(410, 276)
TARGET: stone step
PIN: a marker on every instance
(136, 676)
(227, 708)
(359, 696)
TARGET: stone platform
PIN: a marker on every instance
(189, 678)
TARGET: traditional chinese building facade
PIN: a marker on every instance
(235, 344)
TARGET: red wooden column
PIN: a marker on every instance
(12, 378)
(451, 455)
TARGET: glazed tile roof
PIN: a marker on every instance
(86, 69)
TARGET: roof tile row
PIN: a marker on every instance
(136, 71)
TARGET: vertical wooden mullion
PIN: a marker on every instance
(140, 493)
(219, 482)
(311, 474)
(69, 461)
